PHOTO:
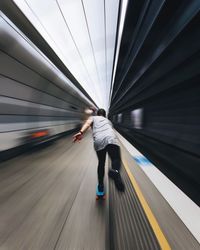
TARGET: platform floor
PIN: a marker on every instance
(47, 201)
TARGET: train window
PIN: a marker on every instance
(115, 118)
(136, 118)
(119, 118)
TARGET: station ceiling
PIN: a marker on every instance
(84, 34)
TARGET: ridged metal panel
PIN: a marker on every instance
(34, 94)
(129, 226)
(156, 51)
(158, 72)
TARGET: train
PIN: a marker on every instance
(37, 101)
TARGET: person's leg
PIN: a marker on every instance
(114, 173)
(101, 154)
(114, 153)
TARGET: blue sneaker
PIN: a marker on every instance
(100, 190)
(100, 193)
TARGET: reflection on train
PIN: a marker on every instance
(131, 119)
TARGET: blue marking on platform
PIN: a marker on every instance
(141, 160)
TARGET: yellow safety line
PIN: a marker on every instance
(154, 224)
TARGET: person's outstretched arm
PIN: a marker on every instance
(78, 136)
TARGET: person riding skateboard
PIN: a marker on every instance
(105, 141)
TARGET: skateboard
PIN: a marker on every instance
(100, 195)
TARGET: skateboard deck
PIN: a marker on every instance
(100, 197)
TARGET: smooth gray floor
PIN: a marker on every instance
(47, 199)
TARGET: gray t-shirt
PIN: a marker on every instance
(103, 133)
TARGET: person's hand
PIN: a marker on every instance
(78, 137)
